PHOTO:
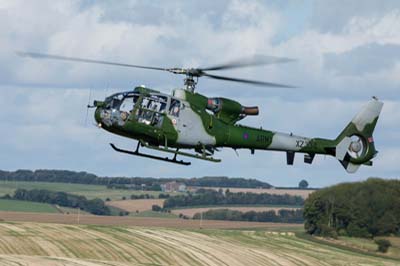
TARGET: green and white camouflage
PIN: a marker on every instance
(188, 120)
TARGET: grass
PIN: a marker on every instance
(237, 205)
(89, 191)
(72, 210)
(153, 214)
(360, 245)
(26, 206)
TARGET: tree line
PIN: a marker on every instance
(212, 197)
(94, 206)
(362, 209)
(135, 183)
(282, 216)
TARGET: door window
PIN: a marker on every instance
(151, 110)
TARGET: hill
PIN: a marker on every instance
(140, 183)
(55, 244)
(362, 209)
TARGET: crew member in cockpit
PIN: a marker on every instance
(174, 109)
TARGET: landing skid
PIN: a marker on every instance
(137, 153)
(176, 152)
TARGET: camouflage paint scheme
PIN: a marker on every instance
(207, 124)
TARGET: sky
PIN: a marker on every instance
(346, 52)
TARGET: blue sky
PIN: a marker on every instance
(346, 53)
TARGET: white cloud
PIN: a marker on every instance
(45, 126)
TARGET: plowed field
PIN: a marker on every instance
(136, 205)
(191, 212)
(133, 221)
(87, 245)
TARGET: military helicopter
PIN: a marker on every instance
(187, 120)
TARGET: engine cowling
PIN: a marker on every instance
(229, 110)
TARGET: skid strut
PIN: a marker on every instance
(175, 153)
(137, 153)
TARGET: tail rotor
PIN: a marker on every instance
(355, 145)
(357, 148)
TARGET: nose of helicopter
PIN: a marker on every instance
(97, 115)
(99, 108)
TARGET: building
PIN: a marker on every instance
(173, 187)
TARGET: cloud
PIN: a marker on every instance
(364, 60)
(333, 16)
(342, 61)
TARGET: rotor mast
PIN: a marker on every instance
(190, 83)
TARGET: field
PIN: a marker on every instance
(368, 245)
(154, 214)
(139, 205)
(294, 192)
(192, 211)
(86, 245)
(89, 191)
(135, 221)
(26, 206)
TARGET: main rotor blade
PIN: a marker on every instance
(254, 82)
(256, 60)
(83, 60)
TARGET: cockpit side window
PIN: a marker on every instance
(175, 107)
(151, 110)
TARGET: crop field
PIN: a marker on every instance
(74, 218)
(190, 212)
(57, 244)
(25, 206)
(154, 214)
(139, 205)
(293, 192)
(89, 191)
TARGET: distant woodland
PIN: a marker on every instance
(363, 209)
(282, 216)
(212, 197)
(140, 183)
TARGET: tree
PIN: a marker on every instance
(303, 184)
(156, 208)
(383, 245)
(361, 209)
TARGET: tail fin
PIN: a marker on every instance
(355, 144)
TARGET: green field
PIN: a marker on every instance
(153, 214)
(57, 244)
(25, 206)
(365, 245)
(89, 191)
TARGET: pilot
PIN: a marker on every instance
(174, 110)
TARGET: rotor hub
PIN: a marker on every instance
(355, 146)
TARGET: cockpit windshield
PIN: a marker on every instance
(124, 100)
(118, 108)
(150, 109)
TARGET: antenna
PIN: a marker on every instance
(88, 105)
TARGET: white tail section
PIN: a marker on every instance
(367, 115)
(342, 148)
(351, 168)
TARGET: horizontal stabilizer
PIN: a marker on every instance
(350, 167)
(342, 148)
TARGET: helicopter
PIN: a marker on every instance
(189, 124)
